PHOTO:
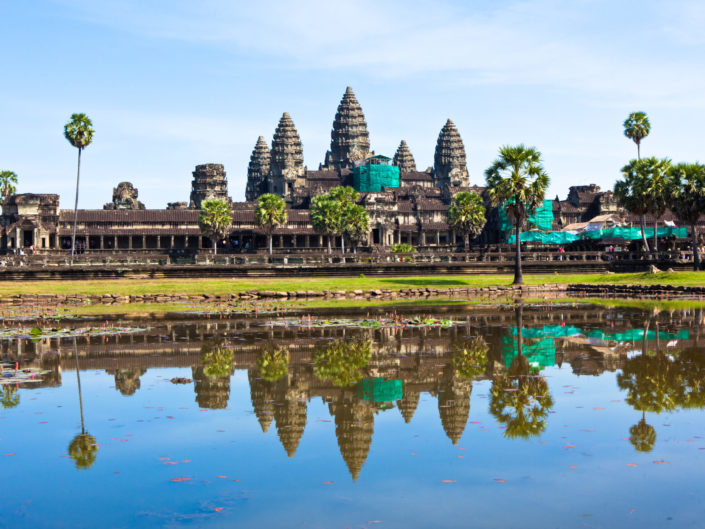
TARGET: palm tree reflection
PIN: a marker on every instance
(83, 449)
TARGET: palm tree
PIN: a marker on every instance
(658, 190)
(270, 213)
(326, 216)
(214, 220)
(518, 182)
(357, 224)
(467, 215)
(79, 133)
(8, 181)
(688, 199)
(636, 128)
(642, 436)
(632, 193)
(346, 197)
(83, 449)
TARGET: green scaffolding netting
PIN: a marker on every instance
(540, 354)
(548, 331)
(371, 178)
(636, 335)
(542, 219)
(380, 390)
(551, 237)
(635, 233)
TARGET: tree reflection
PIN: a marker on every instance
(212, 377)
(127, 381)
(519, 399)
(10, 396)
(642, 436)
(470, 359)
(83, 449)
(342, 362)
(273, 363)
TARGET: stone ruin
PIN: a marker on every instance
(404, 159)
(257, 170)
(450, 164)
(124, 197)
(209, 183)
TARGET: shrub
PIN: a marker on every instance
(403, 248)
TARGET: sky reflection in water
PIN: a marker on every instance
(434, 450)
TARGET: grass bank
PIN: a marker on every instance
(228, 286)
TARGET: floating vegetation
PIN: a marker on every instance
(393, 320)
(11, 374)
(236, 308)
(37, 333)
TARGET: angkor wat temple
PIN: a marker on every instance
(411, 207)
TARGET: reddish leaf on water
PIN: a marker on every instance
(222, 477)
(598, 408)
(447, 481)
(573, 466)
(179, 480)
(171, 463)
(327, 482)
(461, 448)
(500, 480)
(414, 453)
(164, 458)
(661, 462)
(169, 417)
(632, 465)
(10, 454)
(218, 509)
(569, 446)
(186, 461)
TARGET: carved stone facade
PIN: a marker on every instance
(124, 197)
(286, 169)
(209, 183)
(350, 140)
(450, 163)
(404, 159)
(257, 170)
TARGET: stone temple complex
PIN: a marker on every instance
(405, 205)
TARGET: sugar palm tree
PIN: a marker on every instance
(636, 128)
(215, 220)
(326, 217)
(467, 215)
(83, 449)
(79, 133)
(346, 197)
(270, 213)
(517, 181)
(357, 224)
(8, 185)
(658, 189)
(632, 193)
(688, 199)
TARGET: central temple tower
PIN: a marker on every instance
(449, 163)
(286, 168)
(349, 139)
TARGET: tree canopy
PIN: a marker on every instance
(79, 131)
(8, 185)
(270, 213)
(215, 220)
(467, 214)
(636, 128)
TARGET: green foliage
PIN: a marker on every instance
(217, 361)
(467, 213)
(687, 199)
(10, 397)
(470, 359)
(336, 213)
(326, 215)
(356, 223)
(631, 190)
(342, 362)
(83, 450)
(637, 127)
(273, 363)
(403, 248)
(215, 219)
(517, 181)
(79, 131)
(8, 187)
(270, 212)
(642, 436)
(36, 331)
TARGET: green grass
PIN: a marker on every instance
(228, 286)
(647, 304)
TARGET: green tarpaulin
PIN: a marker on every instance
(380, 390)
(551, 237)
(636, 335)
(542, 220)
(372, 178)
(552, 331)
(631, 234)
(540, 353)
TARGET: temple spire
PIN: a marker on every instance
(404, 159)
(350, 140)
(450, 163)
(286, 169)
(257, 170)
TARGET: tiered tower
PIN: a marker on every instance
(354, 426)
(454, 404)
(257, 170)
(286, 169)
(290, 416)
(404, 159)
(349, 139)
(209, 183)
(407, 405)
(262, 396)
(449, 163)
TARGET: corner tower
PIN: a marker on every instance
(257, 170)
(404, 159)
(286, 168)
(209, 183)
(449, 163)
(349, 139)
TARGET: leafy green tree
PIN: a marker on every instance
(273, 363)
(217, 361)
(636, 128)
(632, 193)
(326, 217)
(688, 199)
(659, 189)
(83, 449)
(215, 220)
(467, 215)
(346, 197)
(642, 436)
(470, 358)
(10, 397)
(518, 182)
(342, 362)
(8, 185)
(357, 224)
(270, 213)
(79, 133)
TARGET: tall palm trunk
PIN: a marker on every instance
(696, 254)
(75, 209)
(518, 275)
(342, 244)
(78, 377)
(330, 250)
(643, 233)
(520, 323)
(656, 236)
(215, 245)
(269, 242)
(466, 242)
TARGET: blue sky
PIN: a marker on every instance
(170, 85)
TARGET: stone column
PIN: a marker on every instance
(115, 242)
(423, 238)
(129, 242)
(438, 237)
(281, 241)
(159, 242)
(18, 240)
(102, 242)
(171, 243)
(144, 242)
(307, 241)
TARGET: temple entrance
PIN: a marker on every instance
(28, 238)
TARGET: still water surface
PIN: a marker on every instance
(540, 418)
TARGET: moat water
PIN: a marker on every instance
(544, 417)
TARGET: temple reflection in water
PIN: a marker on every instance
(361, 373)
